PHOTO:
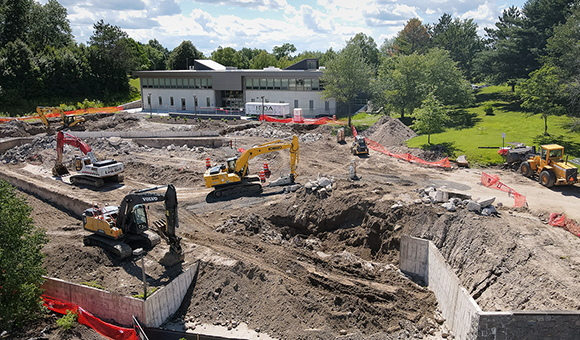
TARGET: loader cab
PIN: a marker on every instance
(551, 152)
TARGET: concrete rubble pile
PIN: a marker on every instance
(323, 186)
(24, 152)
(269, 132)
(452, 201)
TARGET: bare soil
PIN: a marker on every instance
(310, 264)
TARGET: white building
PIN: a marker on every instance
(208, 87)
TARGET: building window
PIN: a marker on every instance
(311, 105)
(160, 101)
(204, 83)
(284, 84)
(299, 84)
(292, 84)
(311, 64)
(248, 84)
(173, 83)
(209, 85)
(149, 100)
(180, 83)
(295, 103)
(252, 100)
(182, 104)
(167, 83)
(255, 84)
(277, 84)
(197, 83)
(326, 106)
(263, 84)
(207, 102)
(270, 83)
(315, 84)
(171, 101)
(307, 84)
(155, 82)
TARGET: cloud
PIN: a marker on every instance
(315, 21)
(261, 5)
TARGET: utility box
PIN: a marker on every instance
(270, 109)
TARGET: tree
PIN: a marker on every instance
(346, 76)
(430, 117)
(14, 16)
(444, 76)
(543, 94)
(283, 51)
(225, 56)
(20, 74)
(50, 27)
(20, 260)
(183, 56)
(112, 56)
(263, 60)
(369, 49)
(412, 38)
(459, 38)
(563, 48)
(156, 55)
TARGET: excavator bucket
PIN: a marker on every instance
(172, 257)
(59, 170)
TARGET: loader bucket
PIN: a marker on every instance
(59, 170)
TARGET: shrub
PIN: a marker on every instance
(67, 322)
(488, 109)
(20, 261)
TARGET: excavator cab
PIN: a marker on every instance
(139, 220)
(232, 164)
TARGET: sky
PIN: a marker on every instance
(308, 25)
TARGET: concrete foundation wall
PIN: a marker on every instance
(100, 303)
(420, 258)
(29, 185)
(144, 134)
(9, 143)
(110, 306)
(165, 302)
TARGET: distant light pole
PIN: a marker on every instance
(262, 107)
(150, 107)
(154, 67)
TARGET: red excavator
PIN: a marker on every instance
(91, 172)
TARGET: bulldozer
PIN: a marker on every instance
(118, 229)
(359, 146)
(550, 167)
(232, 178)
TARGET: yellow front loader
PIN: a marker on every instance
(550, 167)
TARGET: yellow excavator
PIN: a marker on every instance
(233, 179)
(67, 121)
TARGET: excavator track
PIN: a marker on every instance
(87, 180)
(118, 248)
(242, 189)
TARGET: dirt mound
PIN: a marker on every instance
(122, 121)
(19, 128)
(388, 131)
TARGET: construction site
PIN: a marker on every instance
(349, 246)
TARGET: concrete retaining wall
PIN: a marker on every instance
(109, 306)
(102, 304)
(9, 143)
(165, 302)
(144, 134)
(60, 199)
(420, 258)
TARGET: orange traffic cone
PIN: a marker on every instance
(262, 176)
(267, 172)
(207, 163)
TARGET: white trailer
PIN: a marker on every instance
(270, 109)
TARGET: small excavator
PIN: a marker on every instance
(119, 229)
(233, 179)
(91, 171)
(67, 121)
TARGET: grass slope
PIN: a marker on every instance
(486, 131)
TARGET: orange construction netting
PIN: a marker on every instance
(564, 222)
(110, 109)
(85, 318)
(444, 163)
(493, 180)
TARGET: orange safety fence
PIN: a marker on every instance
(307, 121)
(493, 181)
(560, 220)
(110, 109)
(444, 163)
(85, 318)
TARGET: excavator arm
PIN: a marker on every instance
(241, 164)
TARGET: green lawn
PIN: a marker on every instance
(486, 131)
